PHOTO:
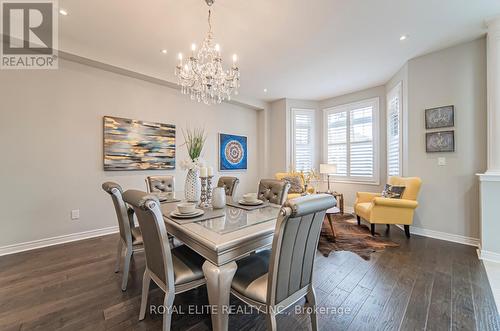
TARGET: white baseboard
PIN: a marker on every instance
(488, 256)
(26, 246)
(444, 236)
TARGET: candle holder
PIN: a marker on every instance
(209, 190)
(204, 195)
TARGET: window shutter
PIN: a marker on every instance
(361, 144)
(337, 141)
(394, 131)
(303, 139)
(351, 136)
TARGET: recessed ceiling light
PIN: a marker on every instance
(403, 37)
(63, 12)
(265, 90)
(164, 51)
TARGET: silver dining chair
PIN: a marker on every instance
(229, 184)
(174, 270)
(160, 184)
(130, 235)
(273, 191)
(273, 280)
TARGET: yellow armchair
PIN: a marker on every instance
(281, 175)
(375, 209)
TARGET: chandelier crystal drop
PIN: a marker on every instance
(202, 76)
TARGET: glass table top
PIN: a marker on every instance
(237, 219)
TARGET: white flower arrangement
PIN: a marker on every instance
(189, 164)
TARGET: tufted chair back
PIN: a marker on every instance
(294, 245)
(273, 190)
(154, 234)
(229, 184)
(124, 214)
(160, 184)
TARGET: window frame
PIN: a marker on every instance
(348, 107)
(396, 89)
(292, 135)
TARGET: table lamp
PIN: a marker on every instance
(328, 169)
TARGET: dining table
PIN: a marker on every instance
(231, 234)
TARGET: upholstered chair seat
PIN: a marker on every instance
(136, 236)
(250, 279)
(229, 184)
(273, 191)
(275, 279)
(187, 265)
(160, 184)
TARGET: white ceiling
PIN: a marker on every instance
(297, 49)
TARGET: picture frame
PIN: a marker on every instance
(440, 142)
(440, 117)
(130, 144)
(233, 152)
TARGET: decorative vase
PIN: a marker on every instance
(192, 186)
(219, 198)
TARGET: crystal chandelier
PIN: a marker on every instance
(202, 75)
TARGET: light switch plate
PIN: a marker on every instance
(441, 161)
(75, 214)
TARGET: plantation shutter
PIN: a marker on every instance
(351, 137)
(303, 139)
(361, 143)
(394, 131)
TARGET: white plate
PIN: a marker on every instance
(199, 212)
(253, 203)
(196, 211)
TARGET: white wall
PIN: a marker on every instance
(51, 142)
(449, 199)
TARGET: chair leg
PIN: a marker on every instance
(146, 280)
(372, 227)
(118, 255)
(167, 315)
(359, 219)
(388, 227)
(407, 231)
(126, 268)
(330, 220)
(271, 321)
(311, 302)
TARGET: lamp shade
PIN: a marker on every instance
(327, 168)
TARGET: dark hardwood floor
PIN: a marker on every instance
(423, 284)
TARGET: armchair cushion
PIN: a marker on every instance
(296, 184)
(393, 191)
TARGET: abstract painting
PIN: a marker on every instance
(233, 152)
(138, 145)
(441, 117)
(438, 142)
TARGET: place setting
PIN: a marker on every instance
(249, 201)
(189, 212)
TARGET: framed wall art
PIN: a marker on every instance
(138, 145)
(233, 152)
(440, 117)
(440, 142)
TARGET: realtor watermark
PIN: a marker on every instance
(246, 310)
(30, 34)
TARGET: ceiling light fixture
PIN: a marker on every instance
(403, 37)
(63, 12)
(202, 75)
(265, 90)
(164, 51)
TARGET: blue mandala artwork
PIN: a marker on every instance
(233, 152)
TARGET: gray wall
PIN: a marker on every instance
(449, 200)
(51, 142)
